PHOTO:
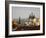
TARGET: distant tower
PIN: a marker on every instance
(32, 16)
(19, 20)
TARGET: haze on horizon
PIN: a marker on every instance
(24, 12)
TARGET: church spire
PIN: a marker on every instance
(31, 15)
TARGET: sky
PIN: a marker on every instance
(24, 12)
